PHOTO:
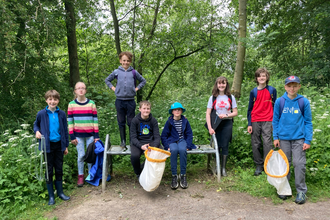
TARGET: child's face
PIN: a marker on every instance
(80, 89)
(177, 112)
(292, 88)
(145, 111)
(125, 62)
(52, 102)
(262, 78)
(222, 86)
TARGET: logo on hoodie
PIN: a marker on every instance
(145, 129)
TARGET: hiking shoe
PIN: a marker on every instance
(175, 183)
(301, 198)
(183, 181)
(283, 197)
(259, 170)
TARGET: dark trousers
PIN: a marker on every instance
(223, 133)
(55, 160)
(135, 159)
(125, 108)
(262, 129)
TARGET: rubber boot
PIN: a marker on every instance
(59, 188)
(80, 181)
(122, 132)
(223, 165)
(50, 193)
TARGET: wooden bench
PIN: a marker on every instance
(117, 150)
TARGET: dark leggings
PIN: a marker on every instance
(125, 109)
(55, 160)
(223, 134)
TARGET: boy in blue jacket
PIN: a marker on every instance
(125, 91)
(293, 132)
(51, 122)
(177, 137)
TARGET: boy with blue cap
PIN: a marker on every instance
(293, 132)
(177, 137)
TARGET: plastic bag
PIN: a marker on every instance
(153, 170)
(277, 167)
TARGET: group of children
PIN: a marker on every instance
(292, 132)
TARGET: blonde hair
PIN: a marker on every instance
(145, 102)
(52, 94)
(75, 95)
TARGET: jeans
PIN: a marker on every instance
(125, 108)
(178, 148)
(55, 160)
(297, 156)
(81, 152)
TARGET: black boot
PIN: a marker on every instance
(122, 132)
(50, 193)
(223, 165)
(59, 188)
(259, 170)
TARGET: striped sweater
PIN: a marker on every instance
(82, 119)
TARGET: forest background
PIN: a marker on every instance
(179, 46)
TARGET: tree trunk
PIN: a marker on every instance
(238, 77)
(116, 25)
(72, 42)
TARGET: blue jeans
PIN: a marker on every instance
(180, 148)
(125, 108)
(81, 152)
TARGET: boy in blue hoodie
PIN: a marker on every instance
(177, 137)
(125, 91)
(293, 132)
(51, 122)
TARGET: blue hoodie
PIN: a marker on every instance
(125, 87)
(170, 135)
(292, 125)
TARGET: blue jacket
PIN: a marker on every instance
(273, 95)
(170, 135)
(95, 173)
(292, 125)
(125, 87)
(41, 124)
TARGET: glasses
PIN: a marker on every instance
(80, 89)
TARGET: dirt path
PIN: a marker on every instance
(128, 200)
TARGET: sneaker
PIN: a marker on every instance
(283, 197)
(259, 170)
(301, 198)
(175, 183)
(183, 181)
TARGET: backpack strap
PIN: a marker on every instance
(214, 101)
(271, 91)
(231, 103)
(301, 104)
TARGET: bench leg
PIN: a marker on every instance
(105, 164)
(217, 157)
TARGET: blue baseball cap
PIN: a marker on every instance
(176, 105)
(292, 79)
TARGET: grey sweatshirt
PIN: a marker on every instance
(125, 87)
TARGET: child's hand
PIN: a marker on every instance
(66, 151)
(211, 131)
(145, 147)
(136, 89)
(277, 143)
(113, 88)
(38, 135)
(96, 139)
(75, 141)
(306, 146)
(250, 129)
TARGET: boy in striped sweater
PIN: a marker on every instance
(83, 126)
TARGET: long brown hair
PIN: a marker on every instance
(215, 90)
